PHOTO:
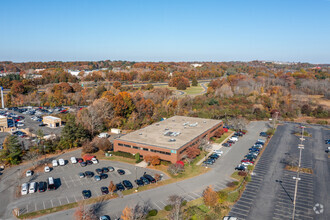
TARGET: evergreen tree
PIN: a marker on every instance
(194, 82)
(12, 151)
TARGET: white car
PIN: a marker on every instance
(247, 163)
(94, 160)
(73, 160)
(33, 187)
(20, 124)
(47, 169)
(61, 162)
(25, 189)
(28, 173)
(54, 162)
(103, 135)
(234, 139)
(219, 152)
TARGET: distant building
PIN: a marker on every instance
(168, 139)
(3, 123)
(52, 121)
(196, 65)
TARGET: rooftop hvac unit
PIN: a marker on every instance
(172, 140)
(186, 123)
(193, 125)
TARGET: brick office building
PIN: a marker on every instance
(168, 139)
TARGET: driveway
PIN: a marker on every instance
(190, 189)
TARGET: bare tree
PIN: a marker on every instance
(176, 202)
(84, 213)
(32, 156)
(238, 123)
(140, 212)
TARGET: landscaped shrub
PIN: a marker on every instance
(168, 207)
(232, 184)
(184, 202)
(152, 212)
(123, 154)
(242, 173)
(222, 196)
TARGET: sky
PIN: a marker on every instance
(165, 30)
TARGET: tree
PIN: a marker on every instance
(116, 85)
(127, 214)
(179, 82)
(176, 202)
(176, 168)
(12, 150)
(192, 152)
(210, 197)
(84, 213)
(102, 143)
(32, 155)
(155, 160)
(112, 187)
(194, 82)
(140, 212)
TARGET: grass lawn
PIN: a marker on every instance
(223, 137)
(192, 90)
(100, 155)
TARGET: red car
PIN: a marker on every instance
(245, 160)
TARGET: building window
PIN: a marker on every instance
(119, 144)
(135, 147)
(145, 149)
(125, 145)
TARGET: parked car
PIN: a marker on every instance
(33, 187)
(103, 176)
(99, 171)
(83, 164)
(47, 169)
(89, 174)
(54, 162)
(120, 187)
(42, 186)
(73, 160)
(28, 173)
(97, 178)
(88, 162)
(139, 182)
(25, 189)
(104, 190)
(81, 175)
(105, 217)
(240, 168)
(94, 160)
(327, 141)
(105, 169)
(218, 152)
(121, 172)
(262, 143)
(214, 155)
(150, 178)
(208, 162)
(233, 138)
(263, 134)
(144, 180)
(226, 144)
(103, 135)
(86, 194)
(249, 161)
(80, 160)
(61, 162)
(127, 184)
(111, 169)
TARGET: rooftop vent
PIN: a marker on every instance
(204, 121)
(172, 140)
(194, 125)
(157, 124)
(140, 134)
(166, 129)
(186, 123)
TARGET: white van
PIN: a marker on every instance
(51, 183)
(103, 135)
(33, 187)
(61, 162)
(54, 162)
(25, 189)
(234, 139)
(73, 160)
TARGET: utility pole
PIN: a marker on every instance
(300, 147)
(274, 121)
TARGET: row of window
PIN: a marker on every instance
(145, 149)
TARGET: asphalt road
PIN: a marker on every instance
(190, 189)
(270, 194)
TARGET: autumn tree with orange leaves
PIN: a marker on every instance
(210, 197)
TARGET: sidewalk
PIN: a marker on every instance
(215, 147)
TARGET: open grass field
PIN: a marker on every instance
(192, 90)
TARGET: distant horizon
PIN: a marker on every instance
(167, 31)
(166, 61)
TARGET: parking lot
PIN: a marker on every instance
(70, 185)
(270, 193)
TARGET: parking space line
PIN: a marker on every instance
(65, 182)
(74, 197)
(67, 199)
(44, 204)
(72, 181)
(190, 196)
(51, 201)
(157, 206)
(60, 201)
(27, 208)
(35, 206)
(196, 194)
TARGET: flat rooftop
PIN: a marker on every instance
(52, 117)
(179, 128)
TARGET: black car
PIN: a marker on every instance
(127, 184)
(99, 171)
(121, 172)
(86, 194)
(145, 180)
(263, 134)
(139, 182)
(89, 174)
(88, 162)
(226, 144)
(211, 159)
(250, 158)
(208, 162)
(150, 178)
(120, 187)
(215, 156)
(104, 190)
(83, 164)
(42, 186)
(327, 141)
(259, 142)
(254, 149)
(103, 176)
(240, 168)
(105, 169)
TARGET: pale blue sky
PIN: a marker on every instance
(167, 30)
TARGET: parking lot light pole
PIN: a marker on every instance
(295, 195)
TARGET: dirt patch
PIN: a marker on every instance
(302, 170)
(311, 120)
